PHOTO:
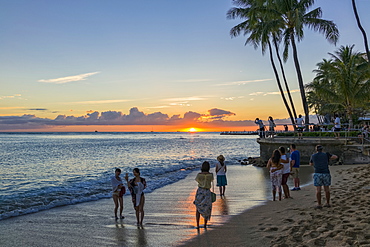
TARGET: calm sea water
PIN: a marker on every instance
(39, 171)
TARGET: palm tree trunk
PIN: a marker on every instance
(362, 30)
(300, 82)
(279, 84)
(285, 80)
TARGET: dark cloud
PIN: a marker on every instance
(135, 117)
(37, 109)
(192, 116)
(219, 112)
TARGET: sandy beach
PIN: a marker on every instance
(170, 220)
(295, 222)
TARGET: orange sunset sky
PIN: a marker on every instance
(105, 66)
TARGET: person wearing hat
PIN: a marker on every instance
(322, 177)
(221, 174)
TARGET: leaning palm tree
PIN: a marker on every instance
(344, 81)
(260, 33)
(361, 29)
(294, 15)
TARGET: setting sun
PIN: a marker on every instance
(193, 130)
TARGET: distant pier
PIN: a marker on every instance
(239, 133)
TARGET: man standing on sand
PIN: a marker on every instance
(295, 162)
(322, 177)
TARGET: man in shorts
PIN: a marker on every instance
(322, 177)
(295, 162)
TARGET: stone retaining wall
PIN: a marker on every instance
(306, 147)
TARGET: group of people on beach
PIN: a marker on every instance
(204, 197)
(281, 167)
(136, 187)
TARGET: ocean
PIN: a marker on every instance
(39, 171)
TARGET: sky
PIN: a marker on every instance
(163, 65)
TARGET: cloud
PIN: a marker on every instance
(37, 109)
(272, 93)
(96, 102)
(256, 93)
(195, 98)
(193, 80)
(180, 104)
(219, 112)
(192, 116)
(157, 107)
(233, 83)
(214, 118)
(184, 101)
(11, 107)
(10, 96)
(67, 79)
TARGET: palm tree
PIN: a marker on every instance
(284, 77)
(260, 33)
(361, 29)
(294, 15)
(343, 82)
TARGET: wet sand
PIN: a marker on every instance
(295, 222)
(170, 217)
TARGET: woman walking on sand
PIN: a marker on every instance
(275, 173)
(136, 187)
(203, 198)
(221, 174)
(118, 190)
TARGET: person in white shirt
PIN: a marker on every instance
(300, 126)
(284, 160)
(337, 127)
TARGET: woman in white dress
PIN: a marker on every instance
(136, 187)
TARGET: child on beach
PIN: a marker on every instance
(203, 198)
(276, 173)
(221, 174)
(136, 187)
(117, 189)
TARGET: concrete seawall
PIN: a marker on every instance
(347, 152)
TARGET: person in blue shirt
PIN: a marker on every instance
(295, 162)
(322, 177)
